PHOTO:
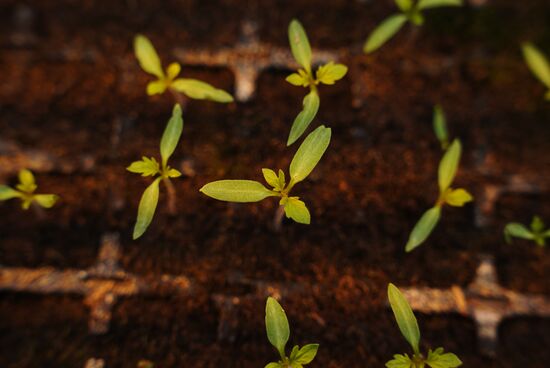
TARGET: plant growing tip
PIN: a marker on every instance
(305, 159)
(447, 195)
(538, 64)
(537, 232)
(406, 321)
(410, 11)
(25, 191)
(167, 80)
(151, 167)
(278, 333)
(328, 73)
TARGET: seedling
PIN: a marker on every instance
(306, 158)
(326, 74)
(167, 80)
(25, 191)
(447, 195)
(278, 332)
(539, 65)
(411, 332)
(411, 11)
(151, 167)
(537, 233)
(440, 127)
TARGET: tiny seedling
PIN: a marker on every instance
(306, 158)
(409, 329)
(539, 65)
(440, 127)
(25, 191)
(278, 332)
(411, 11)
(447, 195)
(326, 74)
(536, 233)
(151, 167)
(192, 88)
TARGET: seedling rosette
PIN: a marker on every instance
(537, 232)
(25, 191)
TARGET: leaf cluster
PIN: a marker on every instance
(278, 333)
(328, 73)
(537, 231)
(410, 11)
(25, 191)
(538, 64)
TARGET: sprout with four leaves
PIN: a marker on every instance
(539, 65)
(447, 195)
(410, 11)
(278, 332)
(537, 233)
(306, 158)
(193, 88)
(326, 74)
(25, 192)
(409, 329)
(151, 167)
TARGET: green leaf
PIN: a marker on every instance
(156, 87)
(306, 354)
(282, 181)
(438, 359)
(440, 127)
(537, 62)
(145, 167)
(386, 30)
(147, 56)
(276, 325)
(45, 200)
(297, 79)
(200, 90)
(305, 117)
(423, 228)
(404, 316)
(171, 135)
(8, 193)
(172, 173)
(449, 165)
(299, 44)
(173, 70)
(271, 178)
(147, 207)
(427, 4)
(296, 210)
(404, 5)
(517, 230)
(273, 365)
(400, 361)
(27, 184)
(237, 191)
(330, 72)
(310, 152)
(537, 225)
(457, 197)
(27, 201)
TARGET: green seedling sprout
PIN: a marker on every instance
(306, 158)
(167, 80)
(409, 329)
(536, 233)
(447, 195)
(278, 332)
(440, 127)
(326, 74)
(411, 11)
(151, 167)
(539, 65)
(25, 191)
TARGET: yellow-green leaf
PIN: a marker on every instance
(404, 316)
(156, 87)
(145, 167)
(27, 184)
(439, 359)
(517, 230)
(457, 197)
(147, 208)
(299, 44)
(237, 191)
(449, 165)
(305, 117)
(427, 4)
(46, 200)
(298, 80)
(400, 361)
(330, 72)
(305, 355)
(310, 152)
(171, 135)
(173, 70)
(200, 90)
(440, 126)
(296, 210)
(271, 178)
(386, 30)
(147, 56)
(423, 228)
(276, 324)
(537, 62)
(8, 193)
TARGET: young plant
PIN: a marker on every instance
(151, 167)
(537, 233)
(440, 127)
(411, 11)
(539, 65)
(306, 158)
(192, 88)
(326, 74)
(409, 329)
(278, 332)
(25, 191)
(447, 195)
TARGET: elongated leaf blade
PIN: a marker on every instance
(242, 191)
(386, 30)
(46, 200)
(310, 152)
(305, 117)
(423, 228)
(299, 44)
(171, 135)
(276, 324)
(200, 90)
(517, 230)
(428, 4)
(537, 62)
(404, 316)
(440, 126)
(8, 193)
(449, 165)
(147, 208)
(147, 56)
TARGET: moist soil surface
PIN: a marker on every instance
(73, 92)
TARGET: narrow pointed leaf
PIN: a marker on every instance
(171, 135)
(305, 117)
(237, 191)
(449, 165)
(537, 62)
(427, 4)
(276, 324)
(310, 152)
(147, 56)
(386, 30)
(440, 127)
(297, 210)
(200, 90)
(8, 193)
(299, 44)
(423, 228)
(404, 316)
(147, 207)
(517, 230)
